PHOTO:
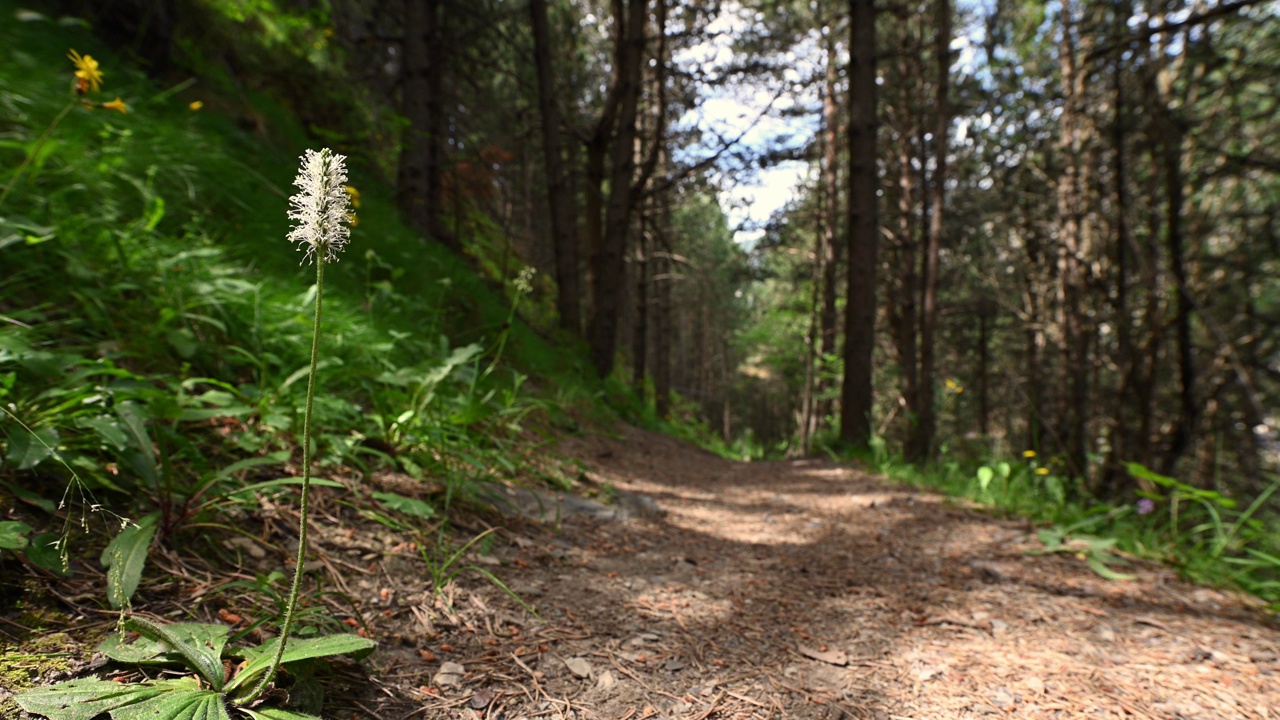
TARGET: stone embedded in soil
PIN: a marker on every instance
(578, 666)
(606, 680)
(481, 699)
(450, 675)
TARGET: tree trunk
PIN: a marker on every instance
(904, 312)
(603, 335)
(862, 230)
(922, 440)
(1073, 370)
(640, 330)
(830, 247)
(559, 212)
(1114, 481)
(419, 185)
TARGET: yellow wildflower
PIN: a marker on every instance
(1042, 471)
(1028, 454)
(88, 76)
(195, 105)
(116, 104)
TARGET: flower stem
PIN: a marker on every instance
(44, 137)
(306, 491)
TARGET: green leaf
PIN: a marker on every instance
(45, 551)
(231, 411)
(274, 458)
(985, 475)
(282, 482)
(13, 535)
(188, 704)
(28, 449)
(211, 638)
(125, 556)
(205, 659)
(25, 495)
(184, 342)
(85, 699)
(259, 658)
(268, 713)
(108, 429)
(1140, 471)
(406, 505)
(1099, 567)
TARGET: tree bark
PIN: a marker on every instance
(830, 246)
(640, 330)
(862, 230)
(419, 185)
(1073, 370)
(559, 213)
(922, 440)
(603, 336)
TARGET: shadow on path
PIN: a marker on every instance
(805, 590)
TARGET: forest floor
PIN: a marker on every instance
(786, 590)
(805, 589)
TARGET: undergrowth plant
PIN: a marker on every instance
(1201, 532)
(321, 212)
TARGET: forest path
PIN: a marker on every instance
(804, 589)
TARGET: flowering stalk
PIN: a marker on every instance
(321, 210)
(88, 76)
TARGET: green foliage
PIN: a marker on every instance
(154, 333)
(201, 648)
(443, 564)
(151, 347)
(1200, 532)
(125, 556)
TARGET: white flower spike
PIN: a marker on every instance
(322, 206)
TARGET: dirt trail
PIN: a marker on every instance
(808, 590)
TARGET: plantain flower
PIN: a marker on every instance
(88, 76)
(322, 207)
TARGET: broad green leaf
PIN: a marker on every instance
(125, 556)
(259, 658)
(108, 429)
(177, 705)
(146, 650)
(205, 659)
(85, 699)
(985, 474)
(45, 551)
(13, 535)
(28, 449)
(406, 505)
(268, 713)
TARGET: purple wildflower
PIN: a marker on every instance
(1146, 506)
